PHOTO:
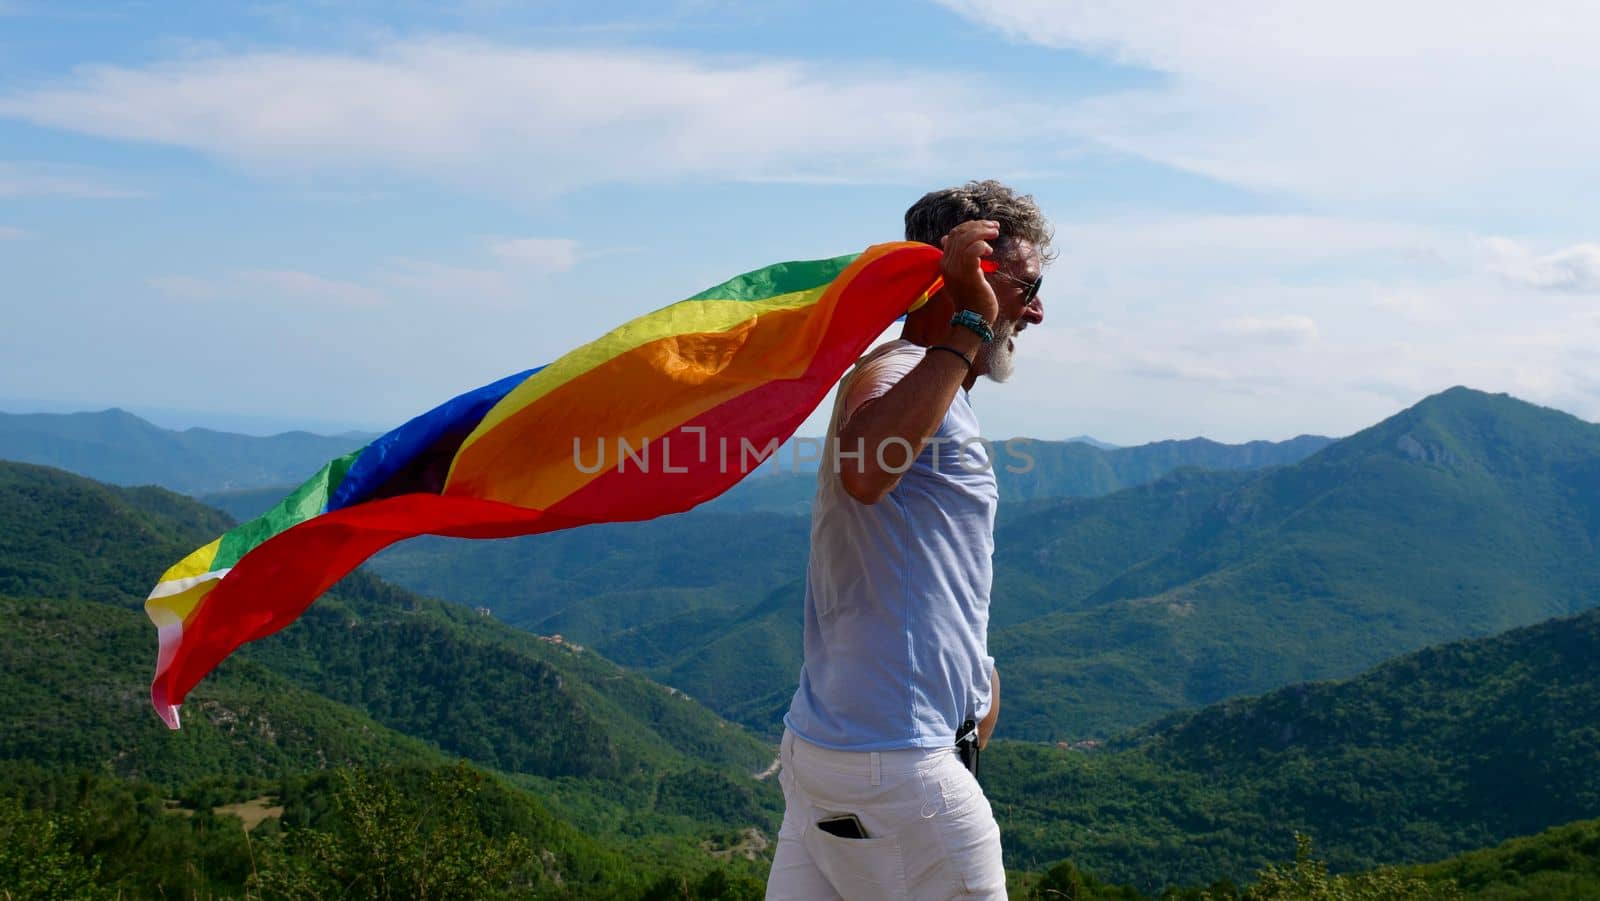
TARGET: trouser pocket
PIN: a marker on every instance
(861, 869)
(969, 835)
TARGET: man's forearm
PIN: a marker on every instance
(890, 431)
(986, 725)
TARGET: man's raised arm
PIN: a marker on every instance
(890, 430)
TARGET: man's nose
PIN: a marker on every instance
(1033, 313)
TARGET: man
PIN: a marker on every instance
(878, 803)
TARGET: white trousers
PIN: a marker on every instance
(930, 831)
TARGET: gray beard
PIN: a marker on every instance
(996, 360)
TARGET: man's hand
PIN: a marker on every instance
(986, 726)
(964, 250)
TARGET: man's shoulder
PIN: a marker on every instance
(889, 362)
(877, 372)
(898, 350)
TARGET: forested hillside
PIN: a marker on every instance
(1463, 516)
(1441, 751)
(373, 677)
(1561, 862)
(1458, 517)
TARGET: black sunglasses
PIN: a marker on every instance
(1030, 290)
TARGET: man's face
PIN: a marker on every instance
(1019, 267)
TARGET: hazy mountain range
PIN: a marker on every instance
(118, 447)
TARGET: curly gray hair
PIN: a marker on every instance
(932, 217)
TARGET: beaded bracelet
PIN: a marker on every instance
(954, 351)
(970, 320)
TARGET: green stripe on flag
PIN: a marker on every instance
(779, 278)
(305, 502)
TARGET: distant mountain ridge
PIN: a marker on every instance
(1078, 467)
(1093, 442)
(247, 473)
(1465, 515)
(1462, 516)
(118, 447)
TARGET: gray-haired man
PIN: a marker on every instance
(897, 589)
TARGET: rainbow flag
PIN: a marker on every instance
(664, 413)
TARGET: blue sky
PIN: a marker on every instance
(270, 215)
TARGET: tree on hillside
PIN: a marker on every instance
(387, 845)
(1307, 879)
(1065, 882)
(38, 860)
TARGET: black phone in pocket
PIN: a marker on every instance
(967, 746)
(845, 825)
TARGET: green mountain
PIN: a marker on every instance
(118, 447)
(1462, 516)
(759, 643)
(589, 582)
(1439, 752)
(1559, 863)
(1465, 515)
(372, 676)
(64, 536)
(546, 709)
(618, 783)
(746, 548)
(1071, 547)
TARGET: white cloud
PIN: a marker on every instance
(451, 284)
(1174, 367)
(314, 288)
(1415, 306)
(1460, 104)
(185, 288)
(1245, 243)
(1241, 327)
(1136, 378)
(1208, 268)
(1272, 329)
(11, 233)
(395, 279)
(542, 254)
(1574, 269)
(540, 120)
(269, 286)
(32, 179)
